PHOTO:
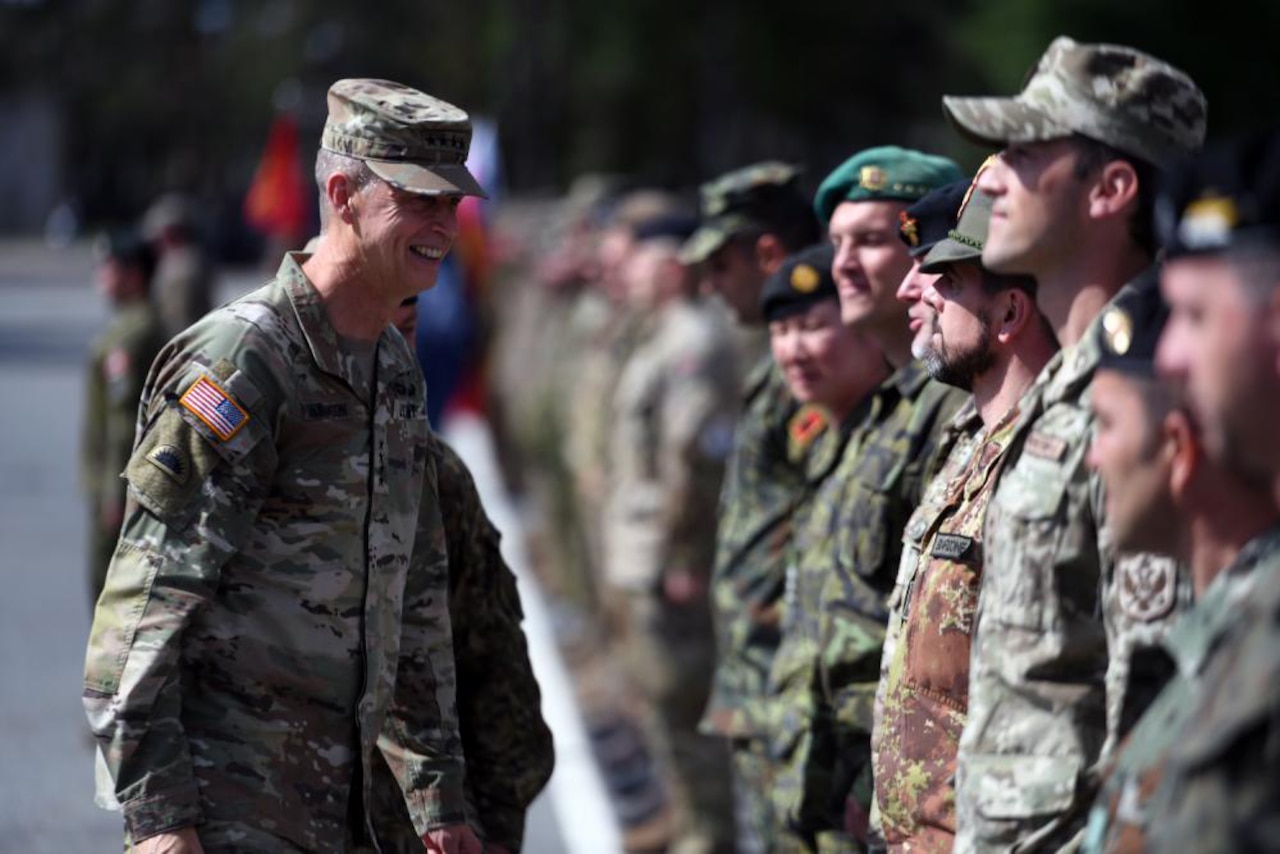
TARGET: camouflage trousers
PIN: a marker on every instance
(759, 829)
(668, 653)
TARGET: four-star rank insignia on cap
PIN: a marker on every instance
(805, 279)
(873, 178)
(1117, 330)
(909, 227)
(207, 401)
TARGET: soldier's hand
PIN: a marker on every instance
(182, 841)
(452, 839)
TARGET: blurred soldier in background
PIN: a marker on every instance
(1073, 191)
(846, 548)
(984, 335)
(751, 220)
(508, 747)
(605, 328)
(673, 416)
(1164, 495)
(118, 363)
(1218, 776)
(183, 290)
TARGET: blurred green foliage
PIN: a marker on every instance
(160, 94)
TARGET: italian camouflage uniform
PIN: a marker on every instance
(245, 648)
(118, 366)
(1187, 725)
(1058, 620)
(924, 685)
(845, 553)
(674, 412)
(506, 741)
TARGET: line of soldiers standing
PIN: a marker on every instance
(988, 574)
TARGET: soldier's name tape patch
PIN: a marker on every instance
(171, 460)
(1046, 447)
(220, 413)
(951, 546)
(326, 411)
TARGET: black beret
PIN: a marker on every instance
(802, 280)
(127, 247)
(1225, 197)
(1130, 328)
(929, 220)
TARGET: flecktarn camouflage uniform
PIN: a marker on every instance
(846, 551)
(508, 746)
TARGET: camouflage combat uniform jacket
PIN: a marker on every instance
(244, 652)
(1197, 773)
(1057, 619)
(762, 487)
(846, 551)
(508, 746)
(924, 685)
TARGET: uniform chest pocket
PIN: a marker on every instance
(1022, 543)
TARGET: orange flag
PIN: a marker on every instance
(277, 200)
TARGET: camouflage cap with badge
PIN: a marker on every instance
(409, 139)
(886, 173)
(803, 280)
(1226, 198)
(753, 197)
(1113, 94)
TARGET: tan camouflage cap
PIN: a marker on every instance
(409, 139)
(736, 202)
(1110, 93)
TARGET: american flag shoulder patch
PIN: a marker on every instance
(207, 401)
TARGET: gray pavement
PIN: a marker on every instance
(48, 316)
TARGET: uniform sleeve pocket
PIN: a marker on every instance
(1020, 787)
(167, 468)
(119, 611)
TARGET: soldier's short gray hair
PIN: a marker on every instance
(356, 171)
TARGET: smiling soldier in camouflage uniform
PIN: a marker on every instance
(845, 550)
(752, 219)
(243, 657)
(1058, 614)
(987, 336)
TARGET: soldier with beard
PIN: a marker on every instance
(985, 335)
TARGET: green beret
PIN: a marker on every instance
(802, 280)
(887, 173)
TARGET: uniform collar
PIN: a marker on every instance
(1195, 635)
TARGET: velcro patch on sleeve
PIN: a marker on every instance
(168, 467)
(206, 400)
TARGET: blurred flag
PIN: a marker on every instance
(277, 202)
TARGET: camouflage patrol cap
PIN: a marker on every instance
(746, 198)
(1130, 328)
(803, 279)
(1224, 198)
(885, 173)
(409, 139)
(926, 222)
(967, 233)
(1110, 93)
